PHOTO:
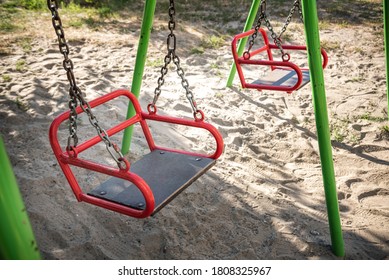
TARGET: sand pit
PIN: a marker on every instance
(264, 199)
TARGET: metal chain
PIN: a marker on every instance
(77, 96)
(276, 38)
(300, 10)
(285, 56)
(172, 56)
(262, 14)
(296, 5)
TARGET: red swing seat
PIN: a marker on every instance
(284, 75)
(144, 187)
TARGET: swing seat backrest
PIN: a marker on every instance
(286, 68)
(137, 179)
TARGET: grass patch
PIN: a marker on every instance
(20, 65)
(6, 78)
(76, 23)
(21, 104)
(341, 131)
(25, 44)
(369, 117)
(7, 26)
(33, 4)
(155, 63)
(104, 12)
(384, 132)
(338, 132)
(219, 95)
(330, 45)
(8, 15)
(197, 50)
(213, 42)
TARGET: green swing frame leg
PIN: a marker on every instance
(386, 38)
(321, 115)
(144, 38)
(17, 240)
(242, 43)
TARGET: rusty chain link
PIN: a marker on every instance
(77, 96)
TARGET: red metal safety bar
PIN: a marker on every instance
(270, 62)
(67, 159)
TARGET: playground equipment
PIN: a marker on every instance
(144, 187)
(17, 241)
(386, 38)
(309, 11)
(284, 75)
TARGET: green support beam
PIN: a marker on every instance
(17, 241)
(322, 124)
(386, 37)
(147, 25)
(242, 43)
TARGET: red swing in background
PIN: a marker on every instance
(140, 189)
(284, 75)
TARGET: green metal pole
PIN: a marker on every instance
(323, 131)
(17, 241)
(386, 37)
(242, 43)
(147, 25)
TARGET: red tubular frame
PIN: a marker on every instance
(65, 159)
(270, 62)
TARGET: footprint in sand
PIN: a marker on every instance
(378, 199)
(343, 195)
(350, 182)
(222, 122)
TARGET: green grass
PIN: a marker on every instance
(330, 45)
(33, 4)
(155, 63)
(25, 43)
(22, 105)
(8, 15)
(77, 23)
(7, 26)
(197, 50)
(213, 42)
(338, 132)
(342, 132)
(20, 65)
(219, 95)
(369, 117)
(215, 65)
(384, 132)
(6, 78)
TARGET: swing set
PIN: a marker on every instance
(142, 188)
(17, 238)
(284, 75)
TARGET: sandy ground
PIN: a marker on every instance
(264, 199)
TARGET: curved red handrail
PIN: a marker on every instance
(193, 123)
(240, 60)
(66, 159)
